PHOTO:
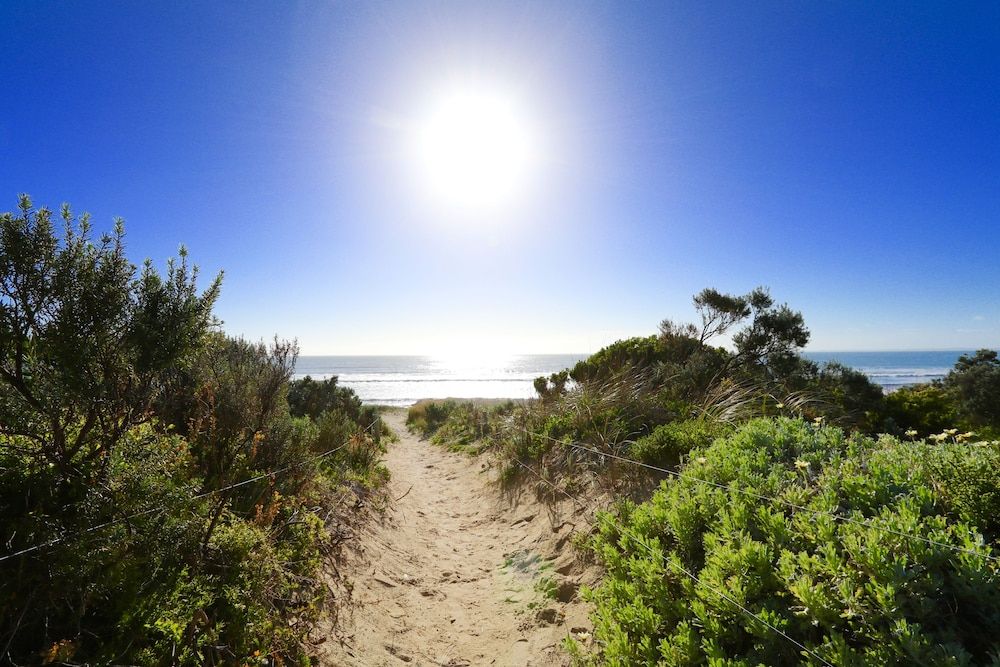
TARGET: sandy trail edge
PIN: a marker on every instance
(448, 575)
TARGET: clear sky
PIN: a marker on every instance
(845, 154)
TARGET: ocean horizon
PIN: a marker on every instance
(401, 380)
(895, 368)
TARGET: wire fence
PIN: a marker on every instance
(677, 567)
(867, 523)
(157, 510)
(657, 553)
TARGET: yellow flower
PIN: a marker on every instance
(800, 464)
(701, 459)
(780, 406)
(951, 431)
(818, 420)
(912, 433)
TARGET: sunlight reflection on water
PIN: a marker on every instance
(402, 380)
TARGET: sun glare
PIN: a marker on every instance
(474, 150)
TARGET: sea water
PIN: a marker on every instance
(402, 380)
(892, 370)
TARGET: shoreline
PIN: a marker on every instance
(403, 381)
(479, 401)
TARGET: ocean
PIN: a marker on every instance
(402, 380)
(893, 370)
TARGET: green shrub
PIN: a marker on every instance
(965, 477)
(976, 382)
(465, 426)
(553, 386)
(186, 580)
(622, 354)
(924, 408)
(104, 581)
(159, 504)
(460, 425)
(848, 398)
(668, 443)
(853, 593)
(426, 417)
(311, 398)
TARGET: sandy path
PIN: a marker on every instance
(450, 575)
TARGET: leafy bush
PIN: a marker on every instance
(848, 397)
(965, 476)
(968, 398)
(976, 381)
(467, 424)
(426, 417)
(668, 443)
(86, 341)
(98, 580)
(924, 408)
(312, 398)
(460, 425)
(552, 386)
(853, 593)
(611, 360)
(159, 504)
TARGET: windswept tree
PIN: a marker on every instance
(688, 360)
(763, 333)
(85, 337)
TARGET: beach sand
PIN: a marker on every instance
(457, 573)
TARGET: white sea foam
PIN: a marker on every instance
(403, 380)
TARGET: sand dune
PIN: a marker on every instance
(456, 573)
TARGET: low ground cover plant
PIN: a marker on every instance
(913, 578)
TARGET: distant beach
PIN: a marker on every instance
(403, 380)
(892, 370)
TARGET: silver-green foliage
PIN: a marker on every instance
(855, 592)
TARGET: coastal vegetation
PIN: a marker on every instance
(802, 515)
(863, 551)
(168, 495)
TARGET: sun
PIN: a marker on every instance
(474, 149)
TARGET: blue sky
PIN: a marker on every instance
(845, 154)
